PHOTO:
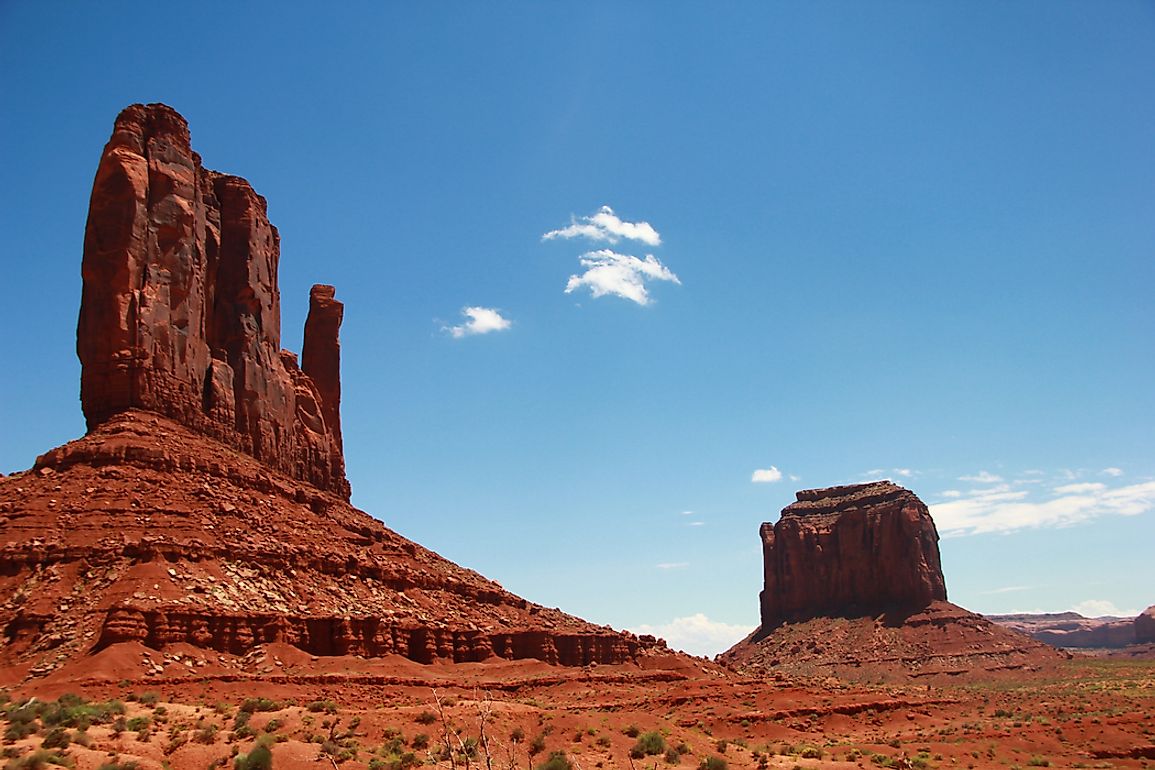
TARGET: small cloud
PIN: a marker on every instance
(687, 513)
(904, 472)
(482, 320)
(621, 275)
(1097, 608)
(952, 493)
(766, 475)
(1115, 472)
(1078, 489)
(605, 225)
(874, 473)
(673, 565)
(982, 477)
(697, 634)
(795, 478)
(695, 523)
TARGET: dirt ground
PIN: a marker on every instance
(392, 713)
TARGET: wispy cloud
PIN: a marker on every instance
(766, 475)
(982, 477)
(1077, 489)
(1097, 608)
(482, 320)
(697, 634)
(1001, 508)
(1116, 472)
(1006, 590)
(672, 565)
(695, 523)
(605, 225)
(620, 275)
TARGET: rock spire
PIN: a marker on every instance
(180, 310)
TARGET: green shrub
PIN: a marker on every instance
(260, 758)
(118, 765)
(259, 704)
(648, 745)
(673, 757)
(420, 741)
(632, 731)
(327, 706)
(557, 761)
(425, 718)
(56, 738)
(38, 760)
(1037, 761)
(712, 763)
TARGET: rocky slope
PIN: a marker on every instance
(854, 588)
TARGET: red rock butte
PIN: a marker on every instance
(850, 551)
(207, 507)
(854, 588)
(181, 313)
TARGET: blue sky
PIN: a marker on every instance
(910, 240)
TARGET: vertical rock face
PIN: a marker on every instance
(1145, 626)
(850, 551)
(180, 312)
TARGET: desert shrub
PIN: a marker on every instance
(1037, 761)
(810, 752)
(260, 758)
(136, 724)
(712, 763)
(420, 741)
(648, 745)
(273, 725)
(38, 760)
(673, 757)
(118, 765)
(537, 745)
(326, 706)
(721, 746)
(259, 704)
(148, 698)
(425, 718)
(206, 734)
(557, 761)
(632, 731)
(604, 741)
(56, 738)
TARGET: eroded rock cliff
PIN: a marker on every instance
(180, 311)
(850, 551)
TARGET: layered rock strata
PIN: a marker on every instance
(180, 309)
(850, 551)
(143, 531)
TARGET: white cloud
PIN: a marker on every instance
(697, 634)
(795, 478)
(482, 320)
(621, 275)
(1116, 472)
(1077, 489)
(766, 475)
(904, 472)
(605, 225)
(1097, 608)
(673, 565)
(982, 477)
(952, 493)
(1001, 509)
(695, 523)
(687, 513)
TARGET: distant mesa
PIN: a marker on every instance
(180, 311)
(1072, 630)
(853, 586)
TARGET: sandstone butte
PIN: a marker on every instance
(207, 505)
(853, 585)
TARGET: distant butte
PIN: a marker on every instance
(853, 586)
